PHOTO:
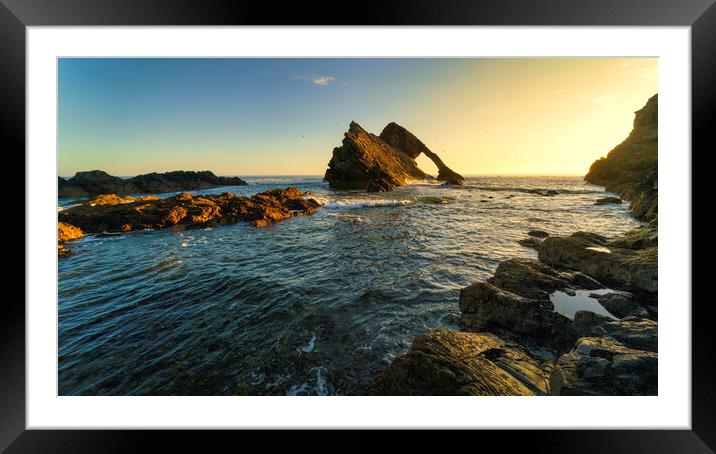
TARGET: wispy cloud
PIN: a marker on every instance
(604, 98)
(316, 79)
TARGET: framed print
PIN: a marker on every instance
(423, 216)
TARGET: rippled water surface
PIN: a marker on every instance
(313, 305)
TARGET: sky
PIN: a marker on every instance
(512, 116)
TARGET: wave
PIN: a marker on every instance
(365, 203)
(531, 190)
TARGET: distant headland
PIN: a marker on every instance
(96, 182)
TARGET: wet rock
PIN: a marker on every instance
(404, 140)
(485, 306)
(113, 199)
(584, 322)
(620, 304)
(639, 238)
(580, 280)
(538, 233)
(458, 363)
(634, 332)
(189, 211)
(532, 243)
(95, 182)
(525, 277)
(628, 269)
(534, 239)
(66, 232)
(543, 192)
(608, 201)
(601, 366)
(379, 185)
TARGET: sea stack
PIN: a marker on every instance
(404, 140)
(375, 164)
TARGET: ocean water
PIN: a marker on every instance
(315, 305)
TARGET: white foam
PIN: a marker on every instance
(353, 204)
(309, 346)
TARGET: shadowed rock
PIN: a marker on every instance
(631, 168)
(95, 182)
(601, 366)
(404, 140)
(445, 363)
(484, 306)
(608, 201)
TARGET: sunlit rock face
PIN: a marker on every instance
(110, 213)
(631, 168)
(629, 269)
(365, 161)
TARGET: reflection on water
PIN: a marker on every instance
(313, 305)
(581, 300)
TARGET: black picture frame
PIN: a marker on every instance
(16, 15)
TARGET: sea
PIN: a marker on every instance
(314, 305)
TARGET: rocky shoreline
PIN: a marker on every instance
(514, 341)
(96, 182)
(110, 213)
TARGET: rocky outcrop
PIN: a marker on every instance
(125, 214)
(95, 182)
(514, 306)
(404, 140)
(368, 162)
(631, 168)
(639, 238)
(634, 270)
(66, 232)
(603, 367)
(608, 201)
(485, 306)
(443, 363)
(620, 304)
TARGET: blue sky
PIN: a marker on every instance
(284, 116)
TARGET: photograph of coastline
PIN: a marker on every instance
(357, 226)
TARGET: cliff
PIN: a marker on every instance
(631, 168)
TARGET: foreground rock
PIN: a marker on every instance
(66, 232)
(404, 140)
(485, 306)
(96, 182)
(634, 332)
(599, 366)
(445, 363)
(634, 270)
(123, 215)
(368, 162)
(631, 168)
